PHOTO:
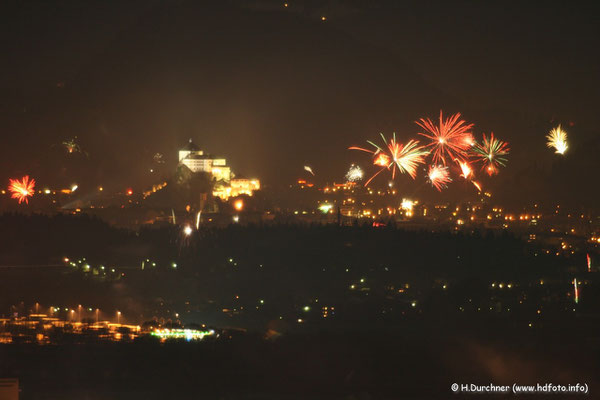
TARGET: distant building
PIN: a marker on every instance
(244, 186)
(237, 187)
(189, 149)
(227, 186)
(192, 157)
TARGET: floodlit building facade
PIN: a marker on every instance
(227, 185)
(244, 186)
(192, 157)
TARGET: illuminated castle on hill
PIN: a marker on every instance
(192, 157)
(226, 184)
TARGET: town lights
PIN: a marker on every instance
(325, 208)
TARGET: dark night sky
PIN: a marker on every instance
(273, 88)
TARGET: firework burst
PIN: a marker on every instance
(382, 160)
(439, 176)
(557, 140)
(396, 156)
(492, 153)
(451, 138)
(22, 189)
(72, 146)
(354, 174)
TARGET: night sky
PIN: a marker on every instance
(274, 88)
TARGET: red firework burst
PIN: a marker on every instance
(452, 138)
(22, 189)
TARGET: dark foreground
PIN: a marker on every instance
(351, 312)
(419, 362)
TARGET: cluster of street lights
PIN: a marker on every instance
(80, 308)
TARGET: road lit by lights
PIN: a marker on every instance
(187, 334)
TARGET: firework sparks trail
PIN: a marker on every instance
(465, 168)
(354, 174)
(451, 138)
(492, 152)
(576, 290)
(309, 169)
(439, 176)
(557, 140)
(467, 173)
(22, 189)
(405, 158)
(589, 262)
(198, 217)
